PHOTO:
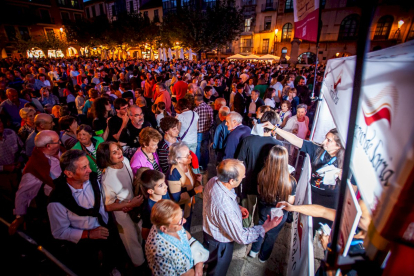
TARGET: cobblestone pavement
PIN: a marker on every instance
(242, 264)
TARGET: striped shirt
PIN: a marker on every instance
(222, 218)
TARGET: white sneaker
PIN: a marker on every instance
(253, 254)
(261, 261)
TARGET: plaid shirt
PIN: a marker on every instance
(222, 218)
(205, 122)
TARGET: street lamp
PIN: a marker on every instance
(274, 46)
(398, 31)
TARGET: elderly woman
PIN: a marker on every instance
(146, 155)
(88, 143)
(117, 181)
(27, 114)
(182, 182)
(68, 125)
(167, 248)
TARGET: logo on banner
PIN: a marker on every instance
(380, 107)
(333, 91)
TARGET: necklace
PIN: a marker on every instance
(149, 159)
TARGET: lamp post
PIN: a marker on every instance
(274, 46)
(398, 31)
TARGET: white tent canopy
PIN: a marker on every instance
(384, 135)
(237, 57)
(251, 57)
(269, 57)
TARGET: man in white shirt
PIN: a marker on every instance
(77, 214)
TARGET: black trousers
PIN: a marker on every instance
(220, 257)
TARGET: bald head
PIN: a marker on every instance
(43, 121)
(224, 111)
(134, 109)
(231, 171)
(45, 137)
(219, 102)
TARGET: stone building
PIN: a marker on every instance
(24, 19)
(269, 28)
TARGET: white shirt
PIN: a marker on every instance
(270, 102)
(117, 183)
(185, 119)
(66, 225)
(30, 185)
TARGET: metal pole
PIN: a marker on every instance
(42, 249)
(317, 47)
(363, 42)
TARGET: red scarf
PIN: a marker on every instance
(38, 165)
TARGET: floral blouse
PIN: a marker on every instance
(166, 254)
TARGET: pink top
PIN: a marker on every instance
(140, 160)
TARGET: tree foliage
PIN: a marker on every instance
(204, 30)
(44, 42)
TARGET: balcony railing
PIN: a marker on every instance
(269, 6)
(246, 49)
(43, 2)
(265, 28)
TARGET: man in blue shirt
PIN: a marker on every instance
(221, 133)
(12, 106)
(237, 132)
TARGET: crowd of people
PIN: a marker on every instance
(105, 158)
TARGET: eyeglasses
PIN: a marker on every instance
(55, 143)
(181, 222)
(188, 155)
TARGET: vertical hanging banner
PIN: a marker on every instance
(306, 14)
(301, 259)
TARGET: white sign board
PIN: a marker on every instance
(384, 129)
(301, 253)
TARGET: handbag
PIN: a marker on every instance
(185, 133)
(199, 253)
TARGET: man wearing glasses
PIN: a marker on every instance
(42, 121)
(37, 183)
(129, 138)
(117, 123)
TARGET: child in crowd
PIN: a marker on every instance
(80, 101)
(152, 186)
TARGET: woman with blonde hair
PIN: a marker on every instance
(182, 182)
(274, 184)
(27, 114)
(168, 248)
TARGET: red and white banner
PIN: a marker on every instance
(301, 251)
(383, 153)
(306, 14)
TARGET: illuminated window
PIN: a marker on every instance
(382, 31)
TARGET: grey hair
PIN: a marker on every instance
(132, 107)
(224, 110)
(43, 138)
(68, 159)
(174, 150)
(302, 106)
(228, 170)
(234, 116)
(191, 86)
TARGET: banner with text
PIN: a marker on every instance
(306, 15)
(300, 261)
(383, 152)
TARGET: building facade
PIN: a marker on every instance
(25, 19)
(269, 29)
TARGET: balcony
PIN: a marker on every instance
(71, 4)
(246, 50)
(249, 11)
(269, 6)
(265, 28)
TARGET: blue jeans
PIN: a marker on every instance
(202, 152)
(266, 246)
